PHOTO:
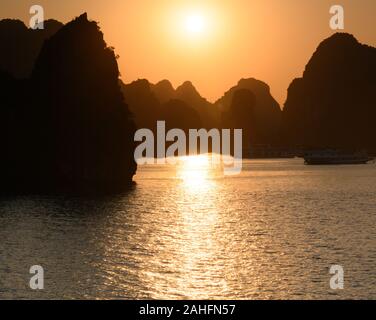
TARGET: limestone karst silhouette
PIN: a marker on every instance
(266, 115)
(69, 119)
(334, 104)
(64, 123)
(186, 92)
(241, 115)
(148, 106)
(164, 91)
(21, 45)
(208, 112)
(143, 103)
(178, 114)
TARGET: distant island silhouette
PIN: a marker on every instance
(22, 45)
(334, 104)
(68, 121)
(66, 128)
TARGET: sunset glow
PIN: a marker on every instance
(211, 43)
(195, 23)
(184, 155)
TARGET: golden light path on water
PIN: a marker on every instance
(200, 253)
(194, 172)
(188, 231)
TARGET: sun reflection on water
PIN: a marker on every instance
(191, 242)
(186, 232)
(197, 172)
(194, 172)
(196, 219)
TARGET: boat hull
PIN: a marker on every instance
(328, 161)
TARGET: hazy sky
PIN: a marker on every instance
(212, 43)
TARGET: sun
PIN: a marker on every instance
(193, 27)
(195, 23)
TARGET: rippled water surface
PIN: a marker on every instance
(187, 231)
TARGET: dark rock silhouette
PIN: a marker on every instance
(14, 131)
(164, 91)
(68, 124)
(141, 97)
(264, 122)
(178, 114)
(21, 45)
(241, 115)
(186, 92)
(208, 113)
(334, 104)
(143, 103)
(259, 116)
(65, 124)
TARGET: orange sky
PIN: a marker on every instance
(271, 40)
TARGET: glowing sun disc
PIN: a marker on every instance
(195, 23)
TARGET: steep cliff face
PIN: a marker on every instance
(178, 114)
(76, 76)
(208, 113)
(164, 91)
(241, 115)
(189, 94)
(76, 131)
(334, 103)
(142, 102)
(262, 121)
(21, 45)
(141, 97)
(266, 114)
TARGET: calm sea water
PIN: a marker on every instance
(187, 231)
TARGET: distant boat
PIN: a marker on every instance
(333, 157)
